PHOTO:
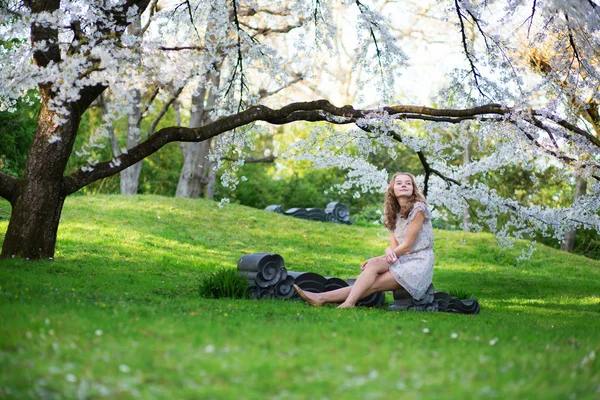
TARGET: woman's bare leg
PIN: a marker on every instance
(318, 299)
(365, 281)
(383, 282)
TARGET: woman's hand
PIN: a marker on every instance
(390, 255)
(364, 266)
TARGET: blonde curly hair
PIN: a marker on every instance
(391, 205)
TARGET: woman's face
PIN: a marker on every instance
(403, 186)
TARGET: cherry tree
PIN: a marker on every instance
(71, 52)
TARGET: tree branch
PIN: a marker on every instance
(152, 7)
(268, 159)
(474, 70)
(263, 93)
(240, 59)
(319, 110)
(180, 48)
(574, 129)
(530, 18)
(147, 105)
(265, 30)
(572, 41)
(164, 110)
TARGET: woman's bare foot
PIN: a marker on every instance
(308, 297)
(345, 305)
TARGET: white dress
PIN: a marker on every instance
(414, 270)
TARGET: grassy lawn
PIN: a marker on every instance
(117, 314)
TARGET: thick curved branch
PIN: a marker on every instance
(269, 159)
(8, 187)
(319, 110)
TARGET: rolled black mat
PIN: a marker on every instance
(316, 214)
(433, 301)
(309, 281)
(373, 300)
(269, 268)
(253, 292)
(427, 298)
(276, 208)
(284, 289)
(250, 275)
(297, 213)
(267, 293)
(249, 262)
(449, 303)
(340, 211)
(335, 283)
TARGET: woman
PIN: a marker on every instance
(407, 263)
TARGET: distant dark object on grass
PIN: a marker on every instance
(223, 282)
(334, 212)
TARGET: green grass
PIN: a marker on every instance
(117, 314)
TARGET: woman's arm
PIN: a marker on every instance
(395, 249)
(411, 234)
(390, 256)
(393, 240)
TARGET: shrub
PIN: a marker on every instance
(462, 294)
(223, 282)
(369, 215)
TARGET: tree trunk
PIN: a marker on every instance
(569, 243)
(194, 154)
(195, 173)
(196, 167)
(130, 177)
(209, 189)
(37, 205)
(466, 215)
(191, 179)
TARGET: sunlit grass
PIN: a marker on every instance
(117, 314)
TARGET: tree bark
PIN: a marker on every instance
(195, 173)
(466, 215)
(209, 189)
(130, 177)
(190, 178)
(569, 243)
(39, 198)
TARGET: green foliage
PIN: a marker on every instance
(117, 313)
(461, 293)
(369, 215)
(16, 133)
(223, 283)
(160, 171)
